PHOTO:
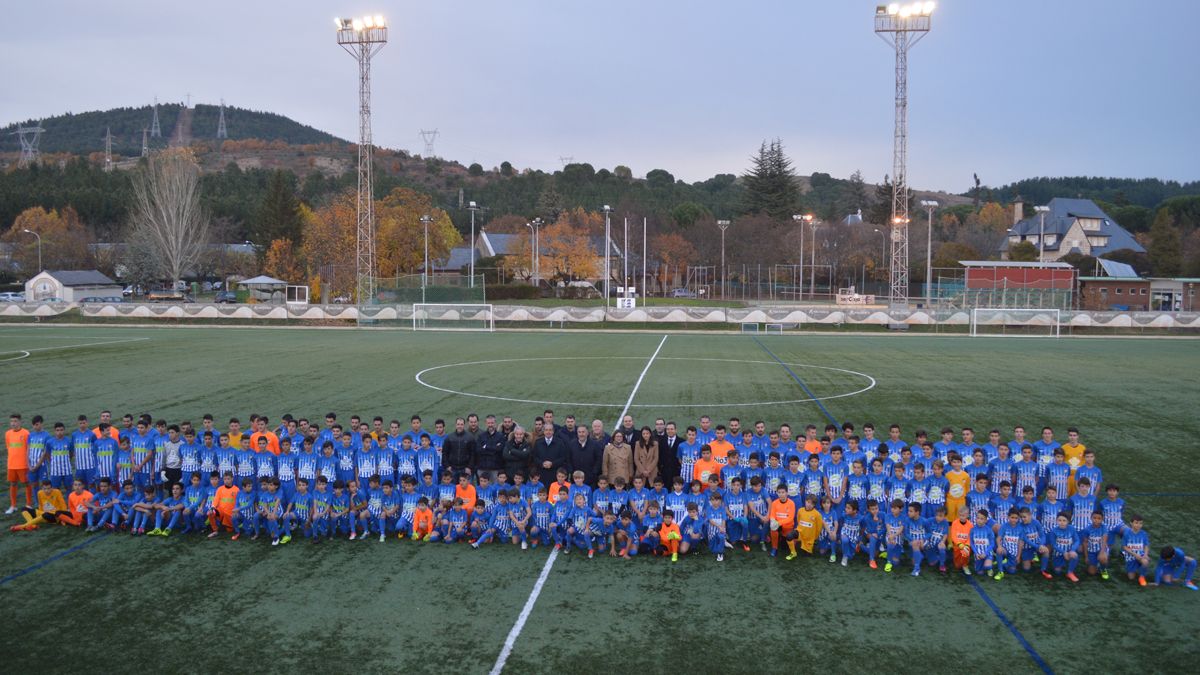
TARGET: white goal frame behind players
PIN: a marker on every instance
(475, 317)
(1015, 321)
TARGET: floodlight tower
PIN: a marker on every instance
(362, 38)
(901, 26)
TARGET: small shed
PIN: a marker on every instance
(265, 289)
(69, 286)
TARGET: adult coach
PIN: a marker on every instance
(458, 449)
(490, 450)
(549, 455)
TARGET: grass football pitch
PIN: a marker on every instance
(186, 604)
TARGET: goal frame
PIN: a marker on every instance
(1054, 329)
(419, 320)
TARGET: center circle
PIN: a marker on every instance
(421, 379)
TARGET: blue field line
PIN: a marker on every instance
(1037, 658)
(1160, 494)
(37, 566)
(799, 382)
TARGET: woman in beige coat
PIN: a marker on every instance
(618, 459)
(645, 456)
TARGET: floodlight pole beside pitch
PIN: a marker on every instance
(901, 26)
(362, 39)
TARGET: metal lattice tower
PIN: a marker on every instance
(362, 39)
(155, 129)
(429, 137)
(901, 26)
(221, 131)
(145, 142)
(566, 160)
(108, 164)
(29, 137)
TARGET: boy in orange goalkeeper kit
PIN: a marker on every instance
(50, 507)
(77, 505)
(668, 534)
(809, 524)
(958, 484)
(960, 540)
(783, 521)
(422, 521)
(223, 504)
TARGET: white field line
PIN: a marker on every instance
(511, 640)
(85, 344)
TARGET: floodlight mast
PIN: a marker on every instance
(362, 38)
(901, 26)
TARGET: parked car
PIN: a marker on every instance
(132, 290)
(683, 293)
(103, 299)
(225, 298)
(114, 299)
(12, 297)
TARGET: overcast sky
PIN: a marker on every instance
(1009, 89)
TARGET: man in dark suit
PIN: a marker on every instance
(668, 453)
(586, 455)
(549, 455)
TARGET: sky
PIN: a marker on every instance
(1006, 89)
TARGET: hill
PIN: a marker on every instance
(83, 133)
(1145, 192)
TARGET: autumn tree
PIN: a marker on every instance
(994, 217)
(329, 244)
(400, 234)
(64, 241)
(674, 251)
(282, 261)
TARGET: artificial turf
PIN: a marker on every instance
(190, 605)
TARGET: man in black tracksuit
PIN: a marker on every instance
(489, 449)
(458, 450)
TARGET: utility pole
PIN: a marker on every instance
(222, 132)
(362, 39)
(145, 143)
(812, 267)
(1041, 211)
(929, 205)
(425, 220)
(429, 137)
(155, 129)
(901, 26)
(607, 249)
(108, 164)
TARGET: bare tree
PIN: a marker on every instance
(166, 215)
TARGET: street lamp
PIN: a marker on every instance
(930, 205)
(1041, 232)
(39, 238)
(882, 249)
(607, 271)
(812, 267)
(534, 249)
(425, 220)
(802, 220)
(472, 207)
(723, 225)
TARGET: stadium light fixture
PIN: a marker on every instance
(930, 205)
(472, 207)
(724, 225)
(607, 250)
(1041, 211)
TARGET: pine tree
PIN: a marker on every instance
(549, 204)
(278, 216)
(771, 183)
(1166, 260)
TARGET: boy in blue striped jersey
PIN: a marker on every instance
(1061, 549)
(1010, 541)
(1095, 545)
(938, 531)
(1135, 547)
(60, 473)
(541, 515)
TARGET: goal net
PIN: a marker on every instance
(1015, 322)
(465, 317)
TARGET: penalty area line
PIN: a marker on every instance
(511, 640)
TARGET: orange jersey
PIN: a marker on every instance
(704, 469)
(812, 447)
(467, 495)
(1074, 456)
(555, 487)
(272, 441)
(16, 441)
(423, 521)
(664, 530)
(783, 511)
(808, 526)
(720, 450)
(960, 532)
(960, 484)
(226, 499)
(77, 503)
(112, 432)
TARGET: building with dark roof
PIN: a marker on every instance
(69, 286)
(1071, 226)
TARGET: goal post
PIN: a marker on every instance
(453, 316)
(1015, 321)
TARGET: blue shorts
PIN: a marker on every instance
(1132, 566)
(88, 476)
(1093, 558)
(35, 476)
(62, 482)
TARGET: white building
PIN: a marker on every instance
(69, 286)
